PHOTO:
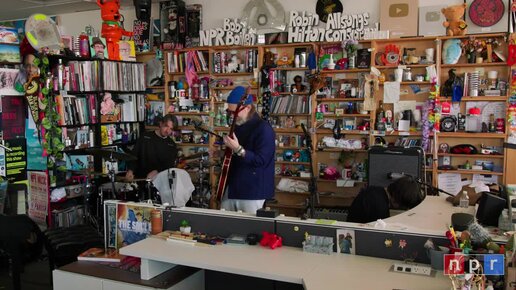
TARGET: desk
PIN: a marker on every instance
(287, 264)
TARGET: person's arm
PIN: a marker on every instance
(263, 150)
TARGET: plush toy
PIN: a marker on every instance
(112, 30)
(454, 23)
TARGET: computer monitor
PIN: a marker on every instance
(387, 164)
(489, 209)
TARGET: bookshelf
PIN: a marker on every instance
(87, 121)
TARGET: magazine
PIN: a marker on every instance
(99, 255)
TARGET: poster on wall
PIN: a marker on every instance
(142, 35)
(133, 223)
(399, 17)
(13, 115)
(38, 196)
(431, 21)
(173, 24)
(193, 24)
(487, 16)
(16, 160)
(35, 158)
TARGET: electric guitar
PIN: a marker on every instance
(216, 199)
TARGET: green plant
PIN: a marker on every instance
(347, 158)
(52, 137)
(184, 223)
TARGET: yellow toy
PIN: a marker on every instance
(454, 23)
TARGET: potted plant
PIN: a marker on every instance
(350, 46)
(185, 227)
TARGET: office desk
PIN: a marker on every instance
(287, 264)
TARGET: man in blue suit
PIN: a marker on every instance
(251, 172)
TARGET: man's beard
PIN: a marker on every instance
(240, 120)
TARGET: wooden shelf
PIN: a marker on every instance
(291, 114)
(473, 64)
(478, 99)
(471, 135)
(344, 132)
(290, 148)
(406, 65)
(288, 130)
(487, 35)
(295, 94)
(471, 155)
(290, 68)
(232, 74)
(345, 115)
(339, 100)
(155, 87)
(292, 177)
(343, 71)
(229, 88)
(484, 172)
(413, 83)
(190, 113)
(177, 73)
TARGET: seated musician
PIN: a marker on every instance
(374, 202)
(155, 151)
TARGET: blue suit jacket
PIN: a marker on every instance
(252, 177)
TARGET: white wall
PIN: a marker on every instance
(214, 11)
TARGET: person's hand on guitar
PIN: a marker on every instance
(129, 175)
(232, 142)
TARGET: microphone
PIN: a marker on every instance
(308, 139)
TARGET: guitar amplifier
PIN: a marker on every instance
(339, 214)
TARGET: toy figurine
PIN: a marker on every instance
(112, 30)
(297, 87)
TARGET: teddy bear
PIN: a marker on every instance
(112, 30)
(454, 23)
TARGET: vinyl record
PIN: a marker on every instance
(485, 13)
(324, 8)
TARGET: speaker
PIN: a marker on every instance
(384, 162)
(489, 209)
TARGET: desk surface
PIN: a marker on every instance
(287, 264)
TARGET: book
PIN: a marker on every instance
(99, 255)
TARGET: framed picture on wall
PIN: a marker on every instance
(399, 17)
(431, 21)
(487, 16)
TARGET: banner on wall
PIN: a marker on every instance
(38, 196)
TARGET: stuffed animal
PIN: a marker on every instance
(454, 23)
(112, 30)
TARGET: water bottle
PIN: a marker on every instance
(84, 45)
(464, 200)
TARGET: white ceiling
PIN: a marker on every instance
(21, 9)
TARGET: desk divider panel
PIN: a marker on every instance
(217, 223)
(366, 242)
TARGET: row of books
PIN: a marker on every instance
(291, 104)
(177, 61)
(123, 76)
(76, 110)
(80, 76)
(128, 108)
(408, 142)
(68, 217)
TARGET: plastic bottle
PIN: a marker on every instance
(92, 138)
(84, 46)
(464, 200)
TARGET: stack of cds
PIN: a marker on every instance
(473, 83)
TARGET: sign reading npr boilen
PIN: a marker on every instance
(491, 264)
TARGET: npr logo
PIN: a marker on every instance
(462, 264)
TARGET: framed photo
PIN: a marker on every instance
(487, 16)
(10, 53)
(98, 47)
(399, 17)
(7, 80)
(127, 50)
(431, 21)
(346, 243)
(8, 35)
(67, 41)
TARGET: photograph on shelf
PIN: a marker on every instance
(346, 241)
(193, 24)
(7, 80)
(154, 112)
(98, 47)
(431, 21)
(8, 35)
(67, 41)
(127, 50)
(10, 53)
(173, 23)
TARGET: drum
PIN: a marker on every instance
(123, 191)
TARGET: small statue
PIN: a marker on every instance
(447, 90)
(297, 87)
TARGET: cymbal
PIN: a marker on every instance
(122, 179)
(88, 172)
(195, 156)
(109, 154)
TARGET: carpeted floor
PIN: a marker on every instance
(35, 277)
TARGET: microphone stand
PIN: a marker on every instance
(312, 186)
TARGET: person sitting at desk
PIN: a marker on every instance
(374, 202)
(155, 150)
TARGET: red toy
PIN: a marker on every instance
(112, 31)
(271, 240)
